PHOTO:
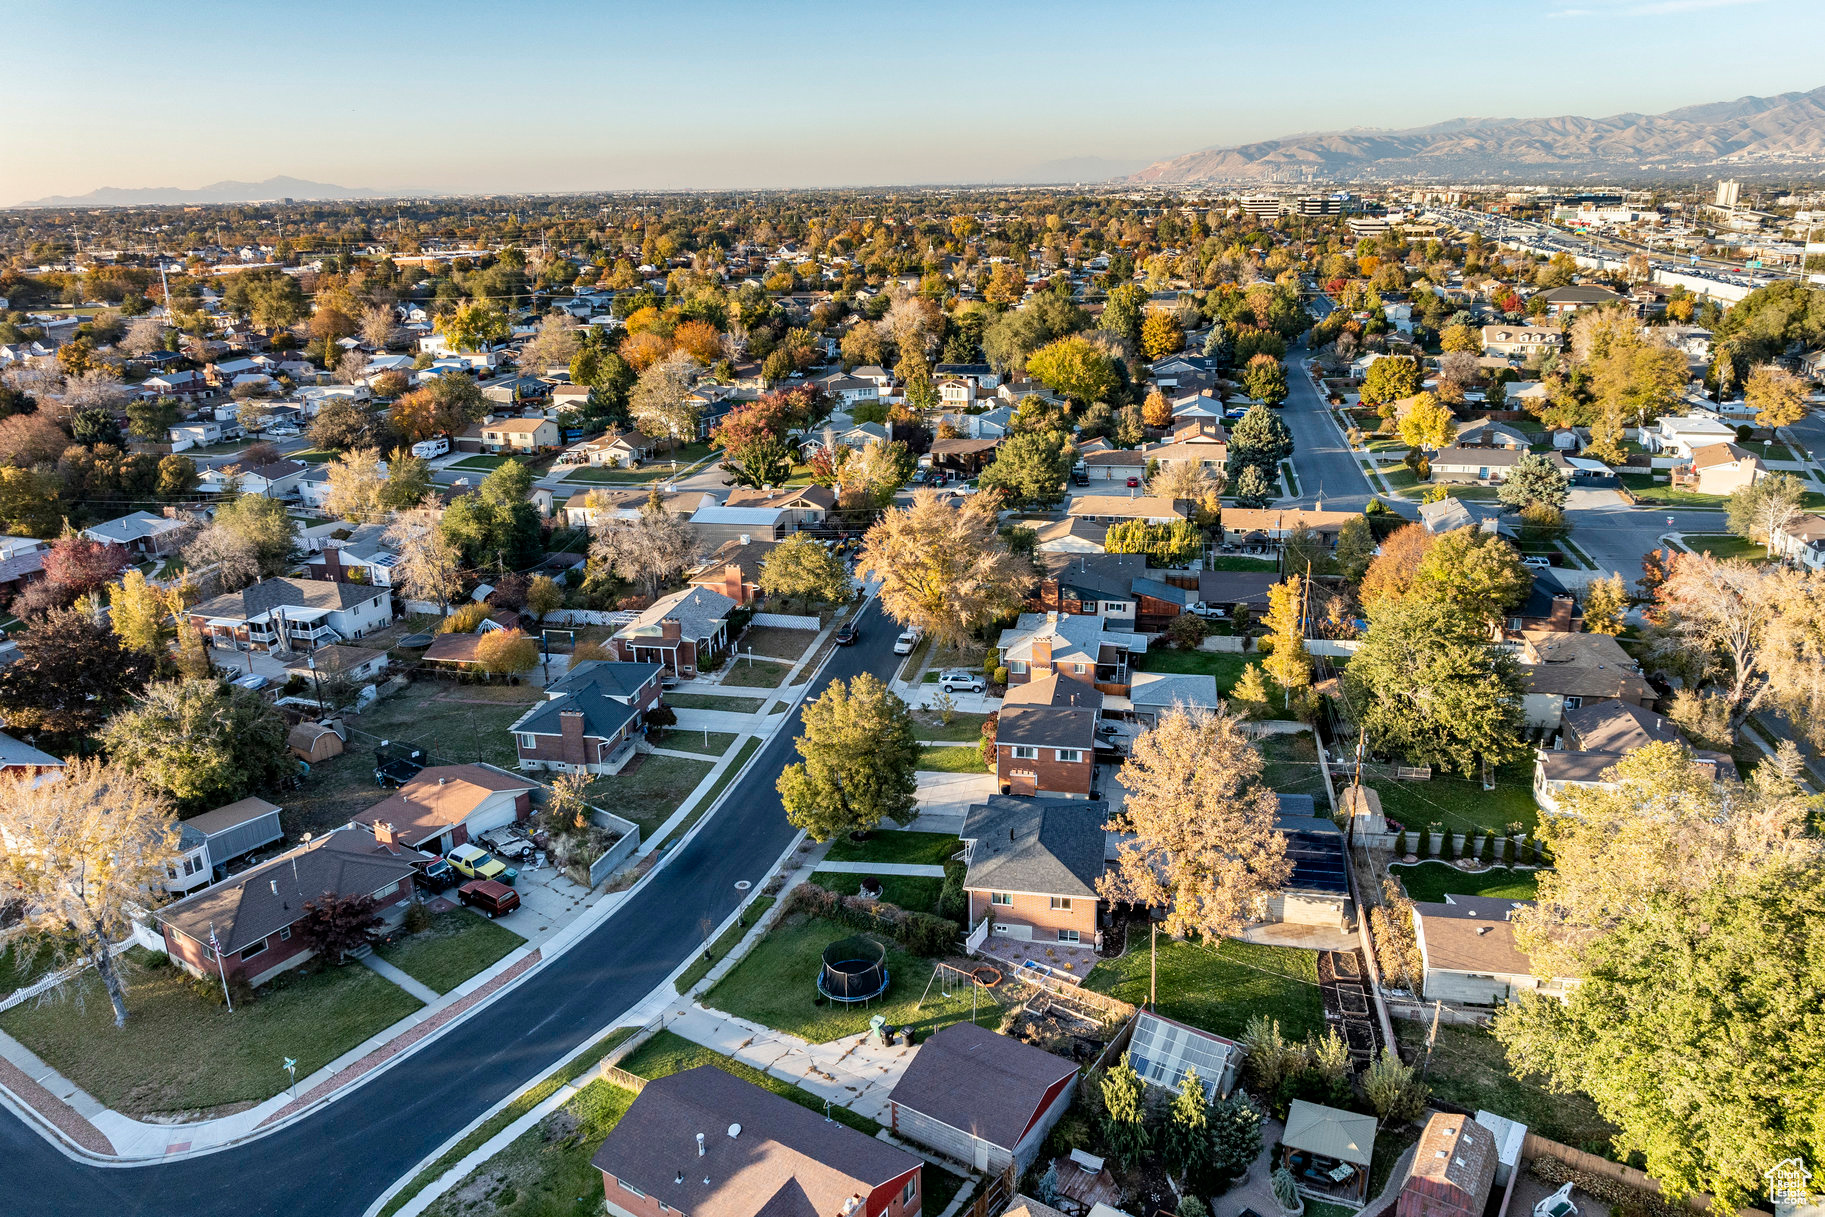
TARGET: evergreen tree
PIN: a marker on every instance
(1125, 1113)
(1187, 1145)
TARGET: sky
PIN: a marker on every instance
(572, 95)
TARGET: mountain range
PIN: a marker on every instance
(216, 192)
(1750, 133)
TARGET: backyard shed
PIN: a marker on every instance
(1328, 1150)
(314, 742)
(980, 1098)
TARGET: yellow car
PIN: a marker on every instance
(475, 863)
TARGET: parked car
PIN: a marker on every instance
(494, 899)
(1080, 477)
(846, 634)
(474, 862)
(508, 843)
(1133, 482)
(435, 875)
(668, 679)
(953, 680)
(1537, 561)
(904, 644)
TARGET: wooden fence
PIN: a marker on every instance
(622, 1078)
(1536, 1146)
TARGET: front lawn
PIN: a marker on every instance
(708, 799)
(780, 644)
(650, 789)
(458, 945)
(483, 462)
(1237, 562)
(1663, 494)
(754, 674)
(668, 1053)
(888, 845)
(1226, 666)
(963, 728)
(25, 960)
(949, 758)
(1432, 881)
(181, 1052)
(776, 985)
(1469, 1068)
(684, 739)
(725, 942)
(710, 701)
(1219, 988)
(1723, 545)
(912, 892)
(1457, 804)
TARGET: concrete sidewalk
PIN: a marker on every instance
(918, 870)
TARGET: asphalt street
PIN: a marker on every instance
(1326, 467)
(336, 1161)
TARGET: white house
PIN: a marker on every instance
(292, 614)
(1467, 948)
(1682, 436)
(1802, 542)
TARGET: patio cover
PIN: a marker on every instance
(1342, 1135)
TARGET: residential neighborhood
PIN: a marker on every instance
(1223, 691)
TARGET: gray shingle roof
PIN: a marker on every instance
(1054, 847)
(1167, 688)
(981, 1083)
(269, 594)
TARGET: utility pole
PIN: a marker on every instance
(1431, 1038)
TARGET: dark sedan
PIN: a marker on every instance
(846, 634)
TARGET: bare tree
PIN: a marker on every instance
(223, 556)
(649, 549)
(351, 368)
(554, 346)
(144, 336)
(429, 567)
(1199, 826)
(80, 851)
(944, 570)
(379, 328)
(660, 401)
(97, 387)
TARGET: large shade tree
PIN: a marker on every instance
(857, 750)
(944, 570)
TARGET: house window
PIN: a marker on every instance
(528, 743)
(285, 934)
(1572, 703)
(1068, 936)
(1062, 902)
(1079, 668)
(257, 948)
(910, 1190)
(1070, 756)
(1024, 753)
(1017, 666)
(1005, 899)
(630, 1189)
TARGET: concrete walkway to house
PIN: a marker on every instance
(849, 1072)
(423, 992)
(919, 870)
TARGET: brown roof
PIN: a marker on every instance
(1026, 1206)
(337, 657)
(1055, 690)
(1577, 680)
(224, 818)
(1453, 1169)
(784, 1159)
(1262, 519)
(1719, 454)
(981, 1083)
(439, 797)
(453, 648)
(517, 426)
(747, 556)
(264, 900)
(1470, 934)
(803, 496)
(962, 446)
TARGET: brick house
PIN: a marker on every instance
(734, 569)
(1720, 469)
(590, 718)
(679, 632)
(252, 917)
(1118, 587)
(521, 435)
(1045, 740)
(1033, 866)
(702, 1143)
(20, 760)
(447, 805)
(1074, 645)
(1549, 607)
(981, 1098)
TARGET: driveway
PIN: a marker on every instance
(1617, 536)
(945, 799)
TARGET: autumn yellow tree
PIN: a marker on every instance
(1156, 411)
(1197, 826)
(1288, 662)
(1161, 335)
(1777, 396)
(356, 487)
(1428, 423)
(944, 570)
(506, 653)
(81, 851)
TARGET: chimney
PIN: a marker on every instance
(670, 630)
(1042, 654)
(385, 834)
(575, 751)
(1562, 613)
(700, 1149)
(332, 563)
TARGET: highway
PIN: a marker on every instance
(337, 1160)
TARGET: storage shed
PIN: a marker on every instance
(313, 742)
(980, 1098)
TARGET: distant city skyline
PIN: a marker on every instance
(564, 95)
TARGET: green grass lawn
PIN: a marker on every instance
(1237, 562)
(683, 739)
(1662, 494)
(1432, 881)
(776, 984)
(668, 1053)
(484, 462)
(963, 728)
(1723, 545)
(1219, 989)
(710, 701)
(650, 791)
(754, 674)
(781, 644)
(916, 659)
(912, 892)
(314, 456)
(183, 1053)
(889, 845)
(1470, 1069)
(1223, 665)
(457, 946)
(703, 805)
(1457, 804)
(942, 758)
(1291, 766)
(725, 942)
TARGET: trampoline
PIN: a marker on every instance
(855, 970)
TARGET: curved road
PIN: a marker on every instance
(336, 1161)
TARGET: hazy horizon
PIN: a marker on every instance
(563, 96)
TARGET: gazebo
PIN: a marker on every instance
(1328, 1150)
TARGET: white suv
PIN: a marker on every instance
(954, 680)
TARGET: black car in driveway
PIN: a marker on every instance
(846, 634)
(435, 875)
